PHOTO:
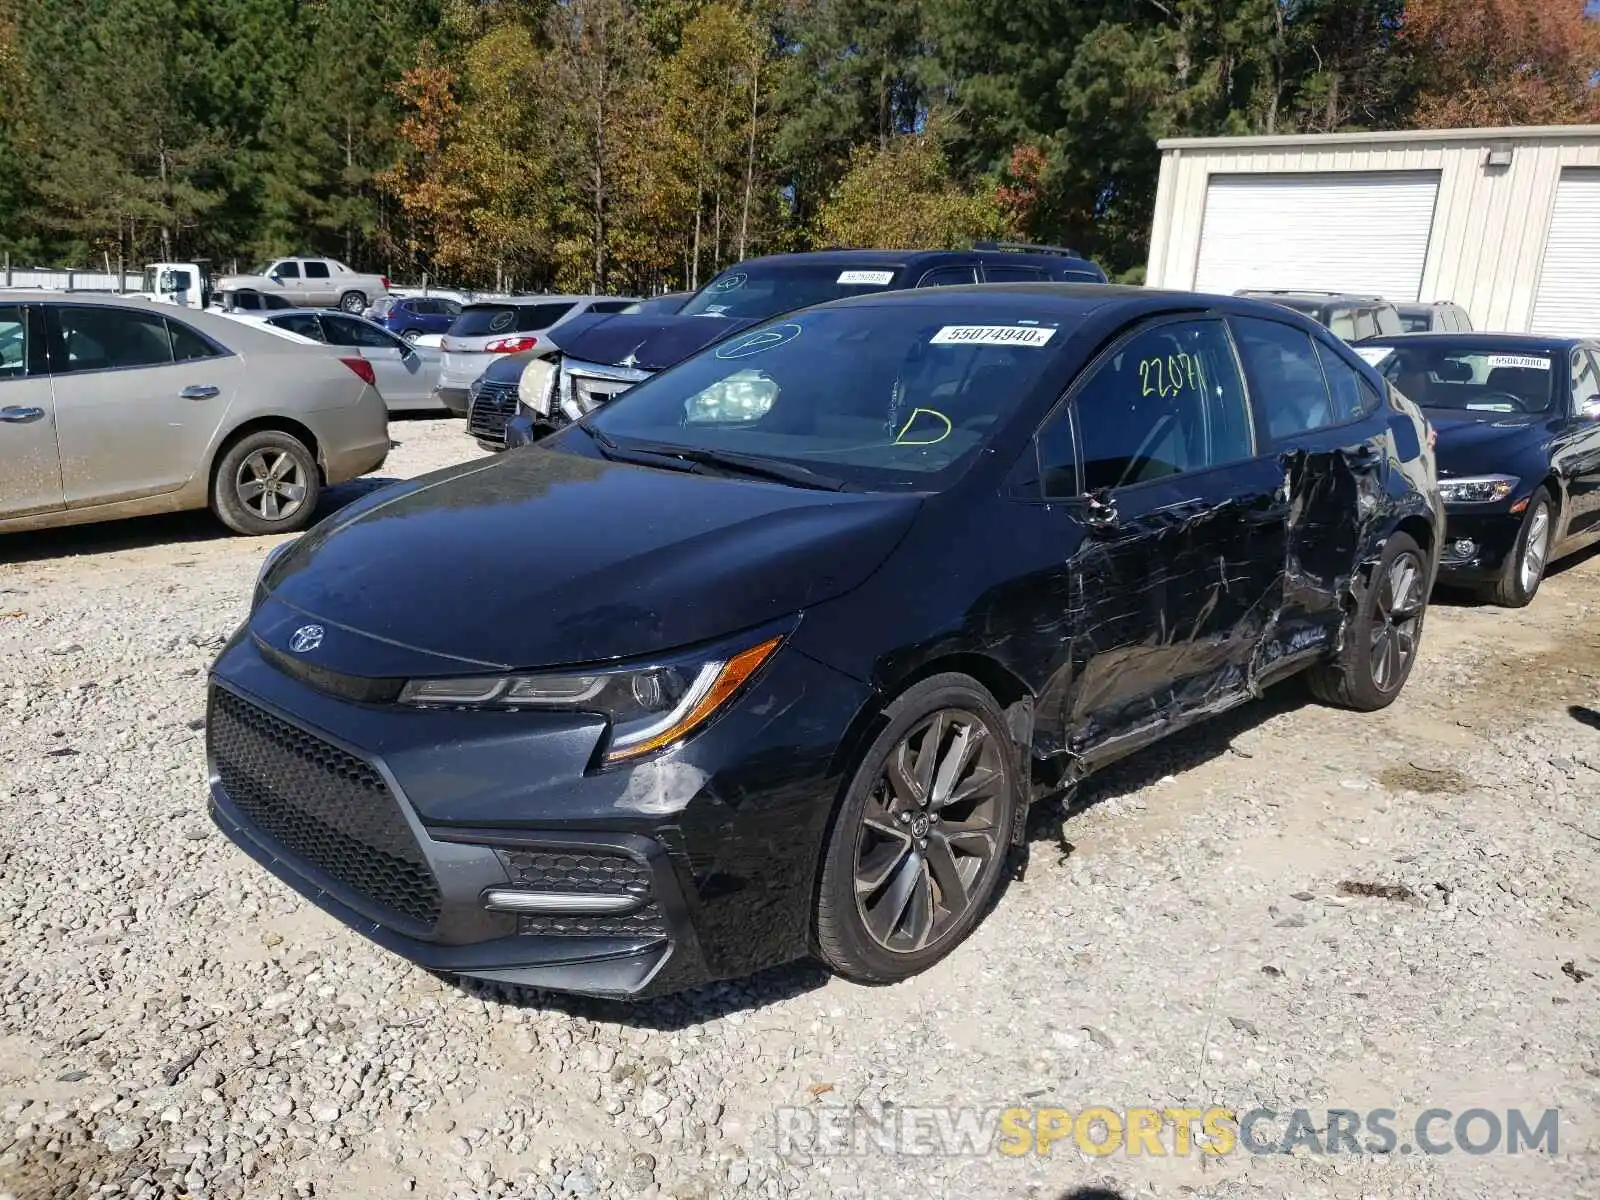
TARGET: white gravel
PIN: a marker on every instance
(175, 1022)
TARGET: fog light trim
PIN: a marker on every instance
(570, 904)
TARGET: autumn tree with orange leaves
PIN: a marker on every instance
(1503, 62)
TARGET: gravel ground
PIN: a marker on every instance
(174, 1022)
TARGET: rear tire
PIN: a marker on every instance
(411, 335)
(266, 482)
(917, 851)
(1523, 570)
(353, 302)
(1382, 639)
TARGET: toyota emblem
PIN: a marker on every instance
(306, 639)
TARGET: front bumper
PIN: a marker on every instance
(399, 823)
(1476, 545)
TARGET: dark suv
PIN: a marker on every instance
(1348, 316)
(602, 357)
(770, 656)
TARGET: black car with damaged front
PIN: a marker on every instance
(604, 356)
(768, 657)
(1518, 424)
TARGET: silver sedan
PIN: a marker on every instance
(117, 407)
(406, 374)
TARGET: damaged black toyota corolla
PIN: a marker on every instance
(767, 658)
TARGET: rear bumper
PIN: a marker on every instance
(454, 399)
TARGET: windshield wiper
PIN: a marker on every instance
(694, 458)
(742, 464)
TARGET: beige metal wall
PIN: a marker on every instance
(1489, 223)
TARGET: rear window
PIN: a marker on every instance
(486, 320)
(1414, 322)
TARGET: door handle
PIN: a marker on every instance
(200, 391)
(20, 416)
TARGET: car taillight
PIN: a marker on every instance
(362, 368)
(385, 281)
(511, 345)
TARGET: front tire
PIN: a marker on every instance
(1523, 570)
(917, 850)
(266, 482)
(353, 302)
(1381, 641)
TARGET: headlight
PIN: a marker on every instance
(536, 389)
(649, 708)
(1477, 489)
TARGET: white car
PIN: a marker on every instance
(489, 328)
(407, 374)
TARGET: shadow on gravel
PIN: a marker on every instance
(1092, 1193)
(666, 1013)
(1584, 715)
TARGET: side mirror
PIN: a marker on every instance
(1590, 408)
(1099, 512)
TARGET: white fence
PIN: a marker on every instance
(69, 280)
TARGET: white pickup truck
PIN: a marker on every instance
(311, 283)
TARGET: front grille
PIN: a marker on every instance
(322, 805)
(493, 405)
(553, 870)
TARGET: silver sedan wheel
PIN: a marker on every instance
(270, 484)
(1535, 549)
(1396, 621)
(928, 831)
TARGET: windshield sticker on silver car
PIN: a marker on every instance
(875, 278)
(993, 335)
(762, 339)
(1519, 360)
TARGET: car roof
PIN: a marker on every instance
(59, 296)
(907, 258)
(518, 301)
(1070, 300)
(1312, 297)
(1510, 342)
(1411, 308)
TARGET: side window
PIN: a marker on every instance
(342, 331)
(1005, 273)
(316, 270)
(1344, 385)
(1342, 324)
(1585, 380)
(187, 345)
(1285, 377)
(305, 324)
(13, 341)
(948, 277)
(100, 339)
(1386, 320)
(289, 270)
(610, 306)
(1168, 400)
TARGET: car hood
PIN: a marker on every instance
(651, 342)
(545, 558)
(1487, 443)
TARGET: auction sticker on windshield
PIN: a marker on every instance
(1518, 360)
(877, 278)
(992, 335)
(1374, 354)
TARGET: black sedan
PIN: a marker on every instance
(1518, 422)
(768, 657)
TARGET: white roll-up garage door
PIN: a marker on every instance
(1568, 300)
(1337, 232)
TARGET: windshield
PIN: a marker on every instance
(263, 268)
(485, 320)
(758, 292)
(1467, 379)
(883, 397)
(1414, 322)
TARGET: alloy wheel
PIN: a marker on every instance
(270, 484)
(929, 831)
(1396, 621)
(1535, 548)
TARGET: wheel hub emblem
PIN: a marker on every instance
(919, 825)
(306, 639)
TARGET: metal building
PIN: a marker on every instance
(1505, 222)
